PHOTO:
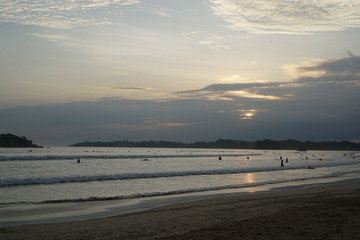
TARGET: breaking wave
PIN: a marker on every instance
(153, 175)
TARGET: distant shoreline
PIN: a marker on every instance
(266, 144)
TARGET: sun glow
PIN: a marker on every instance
(246, 94)
(247, 113)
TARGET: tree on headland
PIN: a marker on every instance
(10, 140)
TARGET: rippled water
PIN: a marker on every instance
(53, 174)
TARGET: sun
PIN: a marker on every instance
(247, 113)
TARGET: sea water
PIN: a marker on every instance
(54, 175)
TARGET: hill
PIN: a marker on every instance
(12, 141)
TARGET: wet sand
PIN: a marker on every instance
(322, 212)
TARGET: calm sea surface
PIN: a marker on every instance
(36, 176)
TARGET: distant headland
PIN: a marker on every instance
(11, 141)
(266, 144)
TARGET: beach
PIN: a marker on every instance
(328, 211)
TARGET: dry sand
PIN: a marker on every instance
(322, 212)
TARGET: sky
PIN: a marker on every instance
(180, 70)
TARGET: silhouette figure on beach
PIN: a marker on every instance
(282, 163)
(78, 161)
(220, 158)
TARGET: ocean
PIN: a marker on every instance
(46, 176)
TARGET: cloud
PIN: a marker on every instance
(138, 93)
(213, 42)
(229, 91)
(132, 89)
(323, 111)
(110, 119)
(246, 94)
(52, 37)
(147, 125)
(299, 70)
(58, 38)
(310, 78)
(345, 70)
(57, 14)
(288, 17)
(237, 86)
(348, 67)
(311, 108)
(233, 79)
(161, 12)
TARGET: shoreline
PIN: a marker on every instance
(25, 214)
(327, 211)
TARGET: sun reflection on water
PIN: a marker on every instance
(249, 178)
